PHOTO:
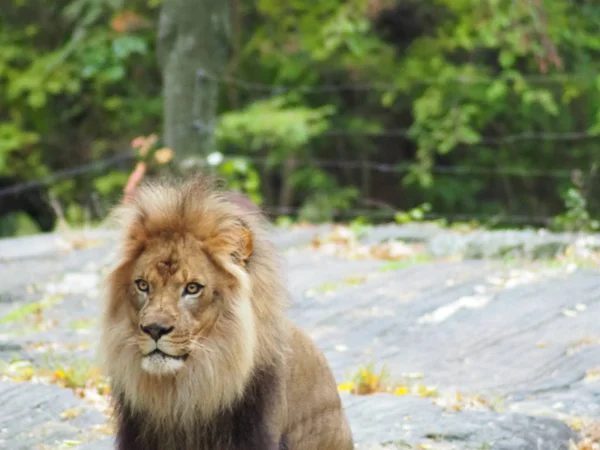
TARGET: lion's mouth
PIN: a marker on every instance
(162, 354)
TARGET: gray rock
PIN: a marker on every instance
(413, 421)
(105, 443)
(521, 338)
(285, 239)
(448, 244)
(408, 233)
(500, 244)
(31, 415)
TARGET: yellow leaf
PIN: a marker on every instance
(164, 155)
(402, 390)
(346, 387)
(71, 413)
(425, 391)
(104, 389)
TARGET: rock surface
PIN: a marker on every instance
(522, 337)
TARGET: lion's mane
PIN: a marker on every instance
(249, 336)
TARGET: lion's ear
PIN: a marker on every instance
(236, 243)
(246, 245)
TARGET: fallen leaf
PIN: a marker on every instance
(71, 413)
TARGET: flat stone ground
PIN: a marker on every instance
(479, 354)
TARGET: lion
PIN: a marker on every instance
(195, 338)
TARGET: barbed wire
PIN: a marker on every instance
(392, 132)
(491, 140)
(380, 213)
(66, 173)
(570, 136)
(399, 168)
(379, 167)
(378, 86)
(323, 162)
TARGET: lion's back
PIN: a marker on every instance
(315, 416)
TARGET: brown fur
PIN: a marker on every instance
(251, 380)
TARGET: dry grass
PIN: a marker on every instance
(367, 381)
(590, 433)
(85, 381)
(345, 242)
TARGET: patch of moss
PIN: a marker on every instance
(82, 324)
(30, 309)
(79, 376)
(421, 258)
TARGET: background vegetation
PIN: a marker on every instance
(485, 109)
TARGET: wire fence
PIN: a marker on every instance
(381, 213)
(54, 177)
(399, 169)
(403, 169)
(383, 87)
(103, 165)
(570, 136)
(535, 173)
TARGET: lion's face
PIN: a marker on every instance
(175, 293)
(195, 275)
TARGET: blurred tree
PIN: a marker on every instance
(193, 39)
(477, 107)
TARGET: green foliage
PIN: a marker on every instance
(325, 199)
(416, 214)
(420, 258)
(17, 224)
(77, 81)
(576, 216)
(284, 221)
(496, 93)
(241, 176)
(463, 86)
(472, 72)
(13, 139)
(288, 128)
(322, 206)
(360, 226)
(111, 185)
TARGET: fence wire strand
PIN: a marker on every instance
(380, 167)
(378, 86)
(570, 136)
(66, 173)
(322, 162)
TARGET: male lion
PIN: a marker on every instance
(194, 336)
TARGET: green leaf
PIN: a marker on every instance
(496, 91)
(387, 99)
(507, 59)
(128, 45)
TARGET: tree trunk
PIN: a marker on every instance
(193, 48)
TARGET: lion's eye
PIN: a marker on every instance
(142, 285)
(192, 288)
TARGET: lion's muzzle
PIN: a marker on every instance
(159, 355)
(157, 330)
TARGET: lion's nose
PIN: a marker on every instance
(157, 330)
